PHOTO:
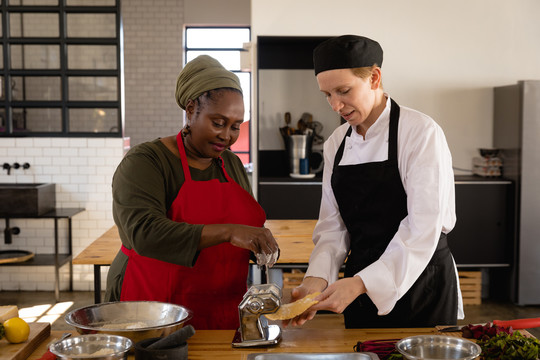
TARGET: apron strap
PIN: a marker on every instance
(125, 250)
(339, 153)
(185, 166)
(393, 135)
(222, 165)
(183, 157)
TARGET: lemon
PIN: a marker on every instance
(16, 330)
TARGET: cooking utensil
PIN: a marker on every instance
(287, 130)
(434, 347)
(136, 320)
(315, 126)
(92, 347)
(298, 147)
(302, 126)
(317, 129)
(516, 324)
(287, 119)
(254, 329)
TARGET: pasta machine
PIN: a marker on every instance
(254, 329)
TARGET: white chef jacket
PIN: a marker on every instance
(425, 168)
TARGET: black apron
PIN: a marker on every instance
(372, 203)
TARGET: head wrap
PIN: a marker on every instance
(202, 74)
(346, 52)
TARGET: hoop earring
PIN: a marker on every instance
(186, 130)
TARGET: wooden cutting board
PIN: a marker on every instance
(38, 333)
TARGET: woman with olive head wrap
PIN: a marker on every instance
(184, 208)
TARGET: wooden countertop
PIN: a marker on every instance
(293, 237)
(216, 344)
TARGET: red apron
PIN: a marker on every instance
(214, 287)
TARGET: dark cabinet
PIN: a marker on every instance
(290, 199)
(287, 52)
(483, 235)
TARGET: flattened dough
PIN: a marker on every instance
(291, 310)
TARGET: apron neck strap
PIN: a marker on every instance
(392, 136)
(183, 159)
(393, 132)
(339, 153)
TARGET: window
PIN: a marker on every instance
(60, 68)
(225, 45)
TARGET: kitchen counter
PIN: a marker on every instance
(293, 237)
(216, 344)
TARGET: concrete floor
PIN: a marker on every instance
(44, 303)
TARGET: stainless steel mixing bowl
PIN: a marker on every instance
(136, 320)
(436, 347)
(92, 347)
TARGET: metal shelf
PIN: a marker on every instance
(57, 259)
(44, 260)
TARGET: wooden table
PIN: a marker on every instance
(216, 344)
(293, 237)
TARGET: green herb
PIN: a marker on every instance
(510, 346)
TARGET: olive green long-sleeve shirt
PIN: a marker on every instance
(144, 187)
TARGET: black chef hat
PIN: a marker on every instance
(346, 52)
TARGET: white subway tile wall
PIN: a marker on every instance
(82, 169)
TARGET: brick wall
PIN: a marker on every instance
(153, 32)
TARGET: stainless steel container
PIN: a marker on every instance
(136, 320)
(92, 347)
(298, 147)
(435, 347)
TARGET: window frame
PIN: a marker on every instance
(7, 72)
(248, 116)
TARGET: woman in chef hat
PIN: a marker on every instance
(387, 202)
(184, 208)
